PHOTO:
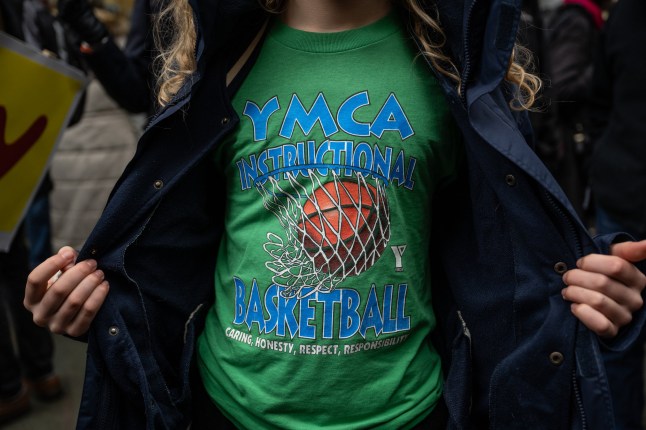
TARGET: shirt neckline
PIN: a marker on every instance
(334, 42)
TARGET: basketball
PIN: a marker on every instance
(339, 224)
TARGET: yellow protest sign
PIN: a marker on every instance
(38, 95)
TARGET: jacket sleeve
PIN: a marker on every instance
(127, 74)
(627, 334)
(601, 91)
(570, 67)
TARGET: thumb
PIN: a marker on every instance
(630, 251)
(68, 253)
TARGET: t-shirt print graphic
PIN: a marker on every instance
(327, 185)
(332, 229)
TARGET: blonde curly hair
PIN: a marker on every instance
(175, 25)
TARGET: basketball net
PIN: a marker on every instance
(324, 263)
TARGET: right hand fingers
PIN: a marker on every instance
(81, 320)
(77, 310)
(72, 301)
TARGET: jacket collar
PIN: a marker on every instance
(489, 38)
(218, 20)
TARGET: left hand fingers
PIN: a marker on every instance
(626, 292)
(613, 267)
(631, 251)
(595, 320)
(584, 298)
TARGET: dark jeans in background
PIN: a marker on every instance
(37, 225)
(626, 368)
(35, 348)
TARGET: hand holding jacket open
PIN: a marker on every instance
(68, 303)
(606, 289)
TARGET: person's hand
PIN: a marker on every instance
(606, 289)
(78, 14)
(64, 295)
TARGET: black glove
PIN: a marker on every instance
(79, 16)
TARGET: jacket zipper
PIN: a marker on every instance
(467, 334)
(579, 250)
(106, 412)
(164, 109)
(466, 69)
(579, 401)
(570, 224)
(465, 329)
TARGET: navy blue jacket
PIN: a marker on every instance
(514, 355)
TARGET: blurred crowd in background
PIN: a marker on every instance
(93, 151)
(590, 128)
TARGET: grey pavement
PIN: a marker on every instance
(59, 414)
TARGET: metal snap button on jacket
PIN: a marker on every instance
(556, 358)
(510, 180)
(158, 184)
(560, 267)
(113, 331)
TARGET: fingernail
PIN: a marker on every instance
(99, 274)
(67, 255)
(91, 263)
(563, 294)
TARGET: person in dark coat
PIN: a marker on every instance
(125, 73)
(571, 45)
(521, 294)
(618, 172)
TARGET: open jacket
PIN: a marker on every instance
(514, 355)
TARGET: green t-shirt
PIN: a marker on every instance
(323, 305)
